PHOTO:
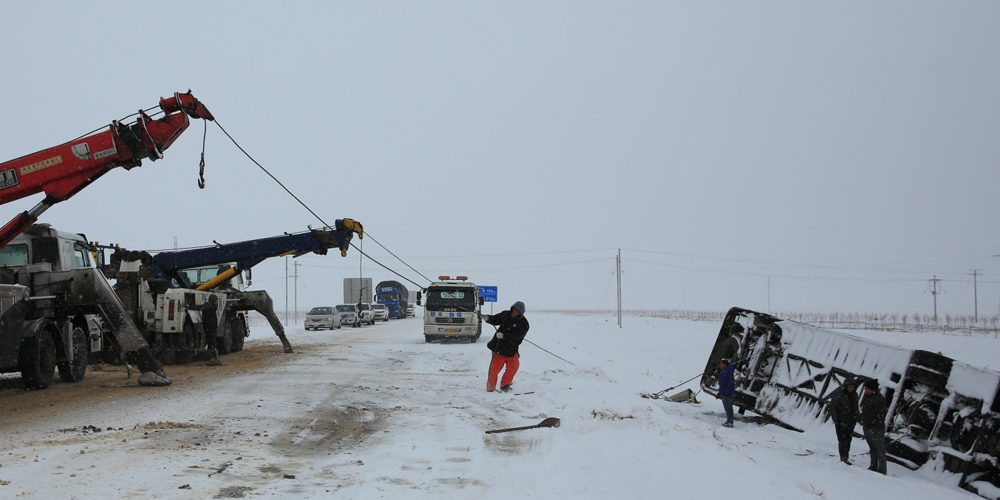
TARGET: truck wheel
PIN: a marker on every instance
(427, 339)
(75, 370)
(239, 334)
(38, 361)
(191, 336)
(225, 343)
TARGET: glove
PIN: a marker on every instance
(486, 317)
(499, 335)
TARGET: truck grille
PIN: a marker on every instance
(449, 320)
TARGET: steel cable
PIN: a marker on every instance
(290, 193)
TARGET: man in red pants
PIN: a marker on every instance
(512, 329)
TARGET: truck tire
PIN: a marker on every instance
(38, 361)
(191, 337)
(239, 334)
(427, 339)
(75, 370)
(225, 343)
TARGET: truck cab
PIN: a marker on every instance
(53, 286)
(451, 310)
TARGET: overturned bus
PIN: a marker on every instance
(943, 415)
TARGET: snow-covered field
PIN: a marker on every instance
(377, 413)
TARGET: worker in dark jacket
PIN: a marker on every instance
(873, 421)
(843, 410)
(210, 319)
(512, 329)
(727, 389)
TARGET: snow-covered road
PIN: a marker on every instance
(375, 412)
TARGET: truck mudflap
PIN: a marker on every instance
(85, 291)
(261, 302)
(943, 415)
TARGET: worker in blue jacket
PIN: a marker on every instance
(727, 389)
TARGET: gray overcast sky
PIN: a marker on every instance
(846, 150)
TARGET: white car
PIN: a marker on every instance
(367, 314)
(349, 315)
(381, 312)
(322, 317)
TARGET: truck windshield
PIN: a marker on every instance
(199, 275)
(321, 310)
(14, 255)
(457, 300)
(387, 297)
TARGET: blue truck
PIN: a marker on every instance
(395, 296)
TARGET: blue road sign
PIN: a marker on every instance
(488, 293)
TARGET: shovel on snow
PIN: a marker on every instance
(549, 422)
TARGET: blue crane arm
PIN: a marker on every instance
(247, 254)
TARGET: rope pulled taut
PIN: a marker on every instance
(310, 210)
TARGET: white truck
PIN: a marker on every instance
(451, 309)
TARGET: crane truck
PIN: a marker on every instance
(53, 302)
(162, 291)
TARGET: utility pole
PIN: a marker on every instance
(935, 292)
(286, 291)
(295, 318)
(975, 293)
(618, 272)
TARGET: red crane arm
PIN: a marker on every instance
(64, 170)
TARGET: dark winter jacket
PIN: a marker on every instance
(209, 316)
(843, 408)
(513, 330)
(873, 412)
(727, 384)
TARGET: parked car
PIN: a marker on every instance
(322, 317)
(366, 313)
(410, 311)
(381, 312)
(349, 315)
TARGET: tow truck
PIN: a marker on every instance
(53, 306)
(156, 288)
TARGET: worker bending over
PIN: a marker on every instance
(512, 328)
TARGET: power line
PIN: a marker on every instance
(809, 266)
(747, 273)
